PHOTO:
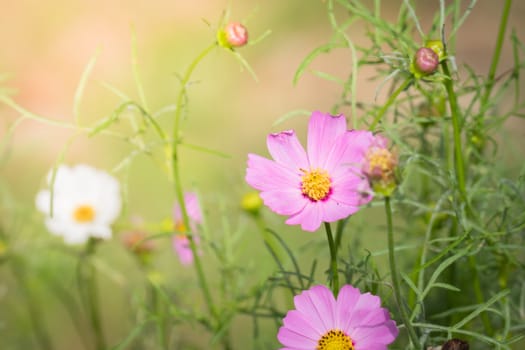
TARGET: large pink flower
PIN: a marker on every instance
(354, 321)
(324, 184)
(181, 243)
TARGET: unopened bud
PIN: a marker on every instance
(251, 202)
(136, 241)
(455, 344)
(233, 35)
(426, 61)
(436, 46)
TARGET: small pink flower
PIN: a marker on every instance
(181, 243)
(324, 184)
(353, 321)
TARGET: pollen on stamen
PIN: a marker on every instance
(335, 339)
(316, 184)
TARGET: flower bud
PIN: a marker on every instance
(251, 202)
(455, 344)
(379, 167)
(136, 241)
(426, 62)
(436, 46)
(233, 35)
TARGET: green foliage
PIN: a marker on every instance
(456, 220)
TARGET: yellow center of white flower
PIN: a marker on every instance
(84, 214)
(315, 184)
(335, 339)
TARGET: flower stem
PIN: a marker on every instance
(497, 52)
(395, 279)
(88, 286)
(458, 152)
(177, 178)
(389, 102)
(334, 281)
(160, 310)
(35, 315)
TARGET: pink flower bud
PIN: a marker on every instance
(236, 34)
(426, 61)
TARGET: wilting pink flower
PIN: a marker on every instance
(324, 184)
(379, 166)
(354, 321)
(181, 242)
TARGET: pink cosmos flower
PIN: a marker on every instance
(324, 184)
(354, 321)
(181, 243)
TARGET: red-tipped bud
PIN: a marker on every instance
(233, 35)
(426, 61)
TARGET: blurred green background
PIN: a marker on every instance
(46, 47)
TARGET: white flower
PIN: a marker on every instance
(86, 201)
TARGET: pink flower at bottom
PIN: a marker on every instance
(353, 321)
(324, 184)
(181, 242)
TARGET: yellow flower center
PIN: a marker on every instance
(316, 184)
(335, 339)
(179, 227)
(381, 162)
(84, 214)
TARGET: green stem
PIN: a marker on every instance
(90, 288)
(395, 279)
(334, 281)
(458, 152)
(178, 183)
(497, 53)
(41, 334)
(160, 310)
(339, 232)
(389, 102)
(478, 292)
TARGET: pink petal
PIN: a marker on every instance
(286, 150)
(323, 130)
(299, 323)
(191, 200)
(294, 340)
(310, 218)
(266, 175)
(384, 334)
(181, 245)
(318, 304)
(346, 300)
(358, 142)
(284, 202)
(351, 190)
(333, 210)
